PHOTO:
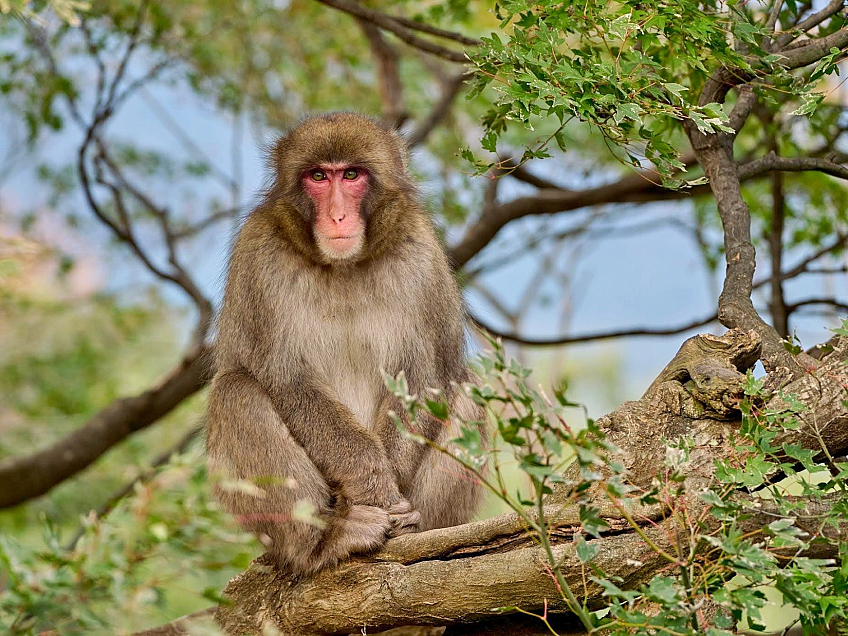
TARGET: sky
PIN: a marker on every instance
(621, 280)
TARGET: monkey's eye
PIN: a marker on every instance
(351, 173)
(318, 175)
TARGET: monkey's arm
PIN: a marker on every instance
(264, 474)
(347, 454)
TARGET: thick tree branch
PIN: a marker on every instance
(24, 478)
(635, 187)
(811, 21)
(715, 154)
(815, 50)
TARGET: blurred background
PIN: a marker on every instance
(132, 141)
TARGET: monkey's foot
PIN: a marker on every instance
(364, 529)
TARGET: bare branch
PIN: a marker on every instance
(210, 220)
(450, 89)
(776, 6)
(808, 23)
(174, 127)
(521, 173)
(771, 22)
(442, 33)
(833, 302)
(601, 335)
(122, 229)
(179, 275)
(801, 268)
(492, 219)
(793, 164)
(24, 478)
(391, 90)
(779, 311)
(403, 33)
(133, 34)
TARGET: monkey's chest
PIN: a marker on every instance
(351, 352)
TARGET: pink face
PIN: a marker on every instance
(337, 191)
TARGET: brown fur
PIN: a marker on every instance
(298, 403)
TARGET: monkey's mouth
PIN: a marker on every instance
(340, 247)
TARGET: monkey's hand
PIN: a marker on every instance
(403, 519)
(374, 488)
(364, 529)
(379, 489)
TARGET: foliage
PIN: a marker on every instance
(713, 558)
(66, 10)
(632, 70)
(125, 567)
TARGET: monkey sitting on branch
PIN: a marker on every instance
(337, 275)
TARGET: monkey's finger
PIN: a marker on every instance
(400, 508)
(409, 522)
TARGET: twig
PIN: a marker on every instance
(388, 76)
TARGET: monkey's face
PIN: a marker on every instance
(337, 191)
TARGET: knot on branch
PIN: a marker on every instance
(707, 375)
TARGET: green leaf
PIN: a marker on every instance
(586, 551)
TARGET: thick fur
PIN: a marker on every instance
(298, 404)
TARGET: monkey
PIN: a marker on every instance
(335, 277)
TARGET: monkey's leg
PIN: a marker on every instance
(440, 489)
(444, 492)
(272, 487)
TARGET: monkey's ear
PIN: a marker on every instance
(402, 148)
(277, 150)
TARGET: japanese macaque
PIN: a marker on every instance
(336, 276)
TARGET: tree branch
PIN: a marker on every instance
(715, 154)
(833, 302)
(815, 50)
(601, 335)
(808, 23)
(390, 24)
(450, 89)
(388, 77)
(433, 578)
(24, 478)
